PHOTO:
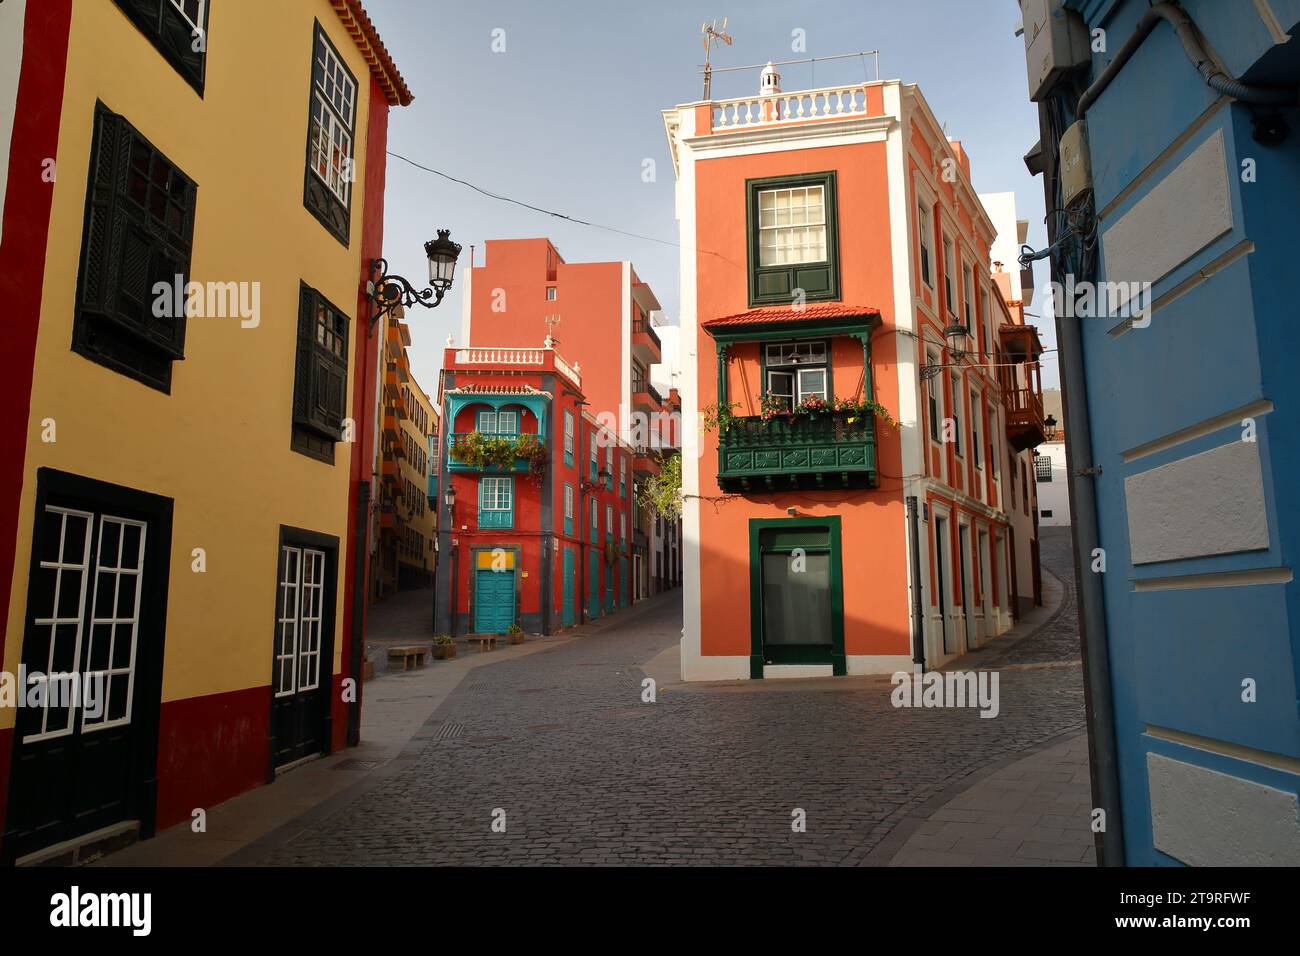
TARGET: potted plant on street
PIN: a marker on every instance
(444, 648)
(515, 634)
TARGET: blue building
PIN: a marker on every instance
(1170, 153)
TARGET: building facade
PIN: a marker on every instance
(170, 342)
(536, 497)
(1052, 482)
(1178, 177)
(405, 525)
(608, 321)
(862, 245)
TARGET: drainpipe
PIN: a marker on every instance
(1080, 469)
(918, 611)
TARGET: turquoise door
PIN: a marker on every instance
(622, 582)
(570, 571)
(494, 600)
(609, 587)
(593, 584)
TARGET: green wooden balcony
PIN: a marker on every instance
(806, 452)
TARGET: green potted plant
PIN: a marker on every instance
(444, 648)
(515, 634)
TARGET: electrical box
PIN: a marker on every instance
(1075, 168)
(1056, 42)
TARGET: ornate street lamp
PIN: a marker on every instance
(449, 498)
(1050, 423)
(956, 335)
(387, 291)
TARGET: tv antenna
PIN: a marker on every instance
(551, 322)
(712, 34)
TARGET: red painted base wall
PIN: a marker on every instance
(211, 749)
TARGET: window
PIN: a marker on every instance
(968, 298)
(622, 476)
(791, 225)
(496, 502)
(498, 423)
(993, 438)
(1024, 487)
(175, 28)
(986, 322)
(949, 267)
(595, 518)
(796, 371)
(592, 466)
(609, 467)
(138, 233)
(1043, 467)
(550, 293)
(320, 383)
(622, 526)
(328, 190)
(956, 414)
(568, 509)
(609, 521)
(792, 238)
(638, 377)
(932, 397)
(568, 438)
(975, 416)
(298, 623)
(924, 224)
(1045, 513)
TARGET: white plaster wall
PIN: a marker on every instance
(1054, 495)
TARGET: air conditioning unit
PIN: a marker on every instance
(1056, 42)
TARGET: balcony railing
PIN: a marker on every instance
(535, 358)
(457, 438)
(806, 451)
(645, 388)
(644, 327)
(1025, 427)
(790, 107)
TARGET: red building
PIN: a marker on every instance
(536, 496)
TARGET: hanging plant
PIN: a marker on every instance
(534, 452)
(854, 408)
(773, 406)
(718, 416)
(662, 493)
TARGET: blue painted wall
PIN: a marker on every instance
(1178, 657)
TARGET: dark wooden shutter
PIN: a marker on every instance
(169, 32)
(320, 378)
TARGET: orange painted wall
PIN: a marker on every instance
(874, 555)
(589, 301)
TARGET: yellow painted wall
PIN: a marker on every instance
(219, 444)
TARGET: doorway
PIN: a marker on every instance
(941, 566)
(967, 587)
(85, 758)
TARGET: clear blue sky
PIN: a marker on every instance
(566, 115)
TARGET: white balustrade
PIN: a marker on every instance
(515, 357)
(790, 107)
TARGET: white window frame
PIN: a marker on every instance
(111, 673)
(975, 429)
(934, 406)
(301, 614)
(823, 392)
(500, 493)
(622, 525)
(334, 110)
(986, 320)
(780, 251)
(609, 520)
(958, 392)
(197, 21)
(968, 297)
(949, 266)
(925, 235)
(568, 502)
(568, 433)
(550, 293)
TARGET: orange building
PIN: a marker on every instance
(840, 341)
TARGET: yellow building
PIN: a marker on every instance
(407, 519)
(179, 533)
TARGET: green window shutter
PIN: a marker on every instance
(777, 284)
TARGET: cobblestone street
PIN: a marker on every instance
(587, 773)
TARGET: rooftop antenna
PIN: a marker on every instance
(712, 33)
(551, 322)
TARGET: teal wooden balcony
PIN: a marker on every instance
(804, 452)
(460, 438)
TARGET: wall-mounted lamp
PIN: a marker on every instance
(386, 291)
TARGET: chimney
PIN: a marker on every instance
(769, 84)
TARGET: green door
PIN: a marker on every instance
(570, 570)
(494, 600)
(593, 584)
(622, 582)
(609, 587)
(796, 593)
